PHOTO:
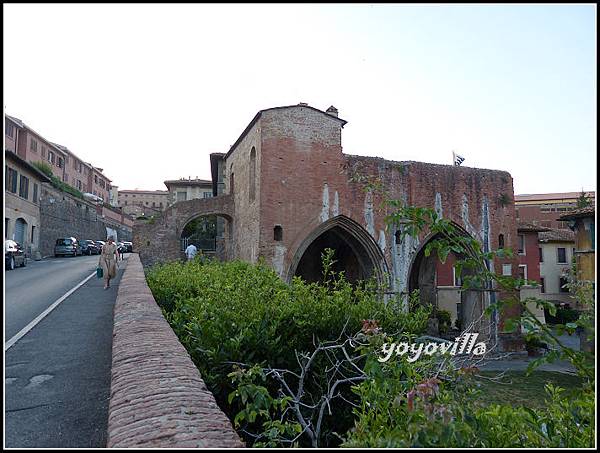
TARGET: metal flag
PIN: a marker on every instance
(457, 159)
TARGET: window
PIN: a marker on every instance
(523, 271)
(278, 233)
(8, 129)
(59, 162)
(562, 282)
(207, 194)
(542, 285)
(456, 277)
(78, 184)
(6, 223)
(252, 176)
(541, 255)
(507, 269)
(562, 255)
(501, 241)
(50, 157)
(24, 187)
(32, 233)
(11, 180)
(521, 244)
(43, 152)
(35, 193)
(181, 196)
(33, 145)
(96, 179)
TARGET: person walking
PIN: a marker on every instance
(108, 261)
(190, 252)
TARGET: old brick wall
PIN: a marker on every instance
(157, 396)
(246, 229)
(158, 240)
(63, 215)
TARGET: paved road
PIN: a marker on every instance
(57, 377)
(31, 289)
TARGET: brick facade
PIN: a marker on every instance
(307, 191)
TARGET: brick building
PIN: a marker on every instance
(142, 202)
(288, 191)
(545, 208)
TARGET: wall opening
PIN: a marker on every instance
(252, 175)
(278, 233)
(208, 233)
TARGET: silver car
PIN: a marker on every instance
(67, 246)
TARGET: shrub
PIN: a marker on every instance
(444, 320)
(238, 313)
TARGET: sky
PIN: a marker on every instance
(147, 92)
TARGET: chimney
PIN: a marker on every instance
(332, 111)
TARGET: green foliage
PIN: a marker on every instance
(423, 405)
(235, 312)
(563, 316)
(444, 320)
(56, 182)
(44, 167)
(583, 201)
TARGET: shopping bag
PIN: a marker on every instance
(99, 272)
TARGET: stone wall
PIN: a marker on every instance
(157, 397)
(63, 215)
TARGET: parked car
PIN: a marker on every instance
(100, 244)
(67, 246)
(121, 247)
(89, 247)
(14, 255)
(128, 246)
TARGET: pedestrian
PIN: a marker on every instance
(108, 261)
(190, 252)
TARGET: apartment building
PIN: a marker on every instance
(22, 190)
(32, 147)
(545, 208)
(188, 189)
(66, 165)
(556, 251)
(142, 202)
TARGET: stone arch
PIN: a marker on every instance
(357, 252)
(422, 276)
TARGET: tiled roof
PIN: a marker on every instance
(556, 235)
(533, 227)
(578, 213)
(552, 196)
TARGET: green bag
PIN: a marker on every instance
(99, 272)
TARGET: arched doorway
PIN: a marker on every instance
(355, 252)
(440, 285)
(209, 233)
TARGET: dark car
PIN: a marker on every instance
(89, 247)
(14, 255)
(67, 246)
(100, 244)
(128, 246)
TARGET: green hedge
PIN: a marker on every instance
(238, 312)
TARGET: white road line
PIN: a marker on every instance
(45, 313)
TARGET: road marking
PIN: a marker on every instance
(45, 313)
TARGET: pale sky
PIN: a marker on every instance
(147, 92)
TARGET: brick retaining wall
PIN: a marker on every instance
(157, 397)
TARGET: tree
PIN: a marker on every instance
(583, 201)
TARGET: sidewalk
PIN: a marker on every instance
(57, 377)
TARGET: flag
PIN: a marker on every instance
(457, 159)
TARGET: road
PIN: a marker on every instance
(57, 376)
(31, 289)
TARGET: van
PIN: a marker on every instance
(67, 246)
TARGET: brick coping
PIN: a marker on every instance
(157, 397)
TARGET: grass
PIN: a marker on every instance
(521, 390)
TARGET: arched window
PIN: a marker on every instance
(501, 241)
(252, 175)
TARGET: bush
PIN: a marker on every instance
(444, 320)
(235, 312)
(562, 316)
